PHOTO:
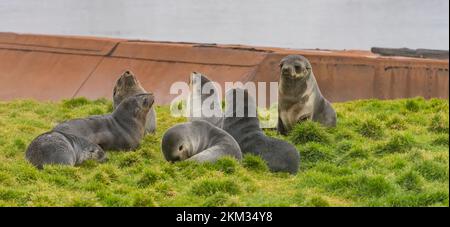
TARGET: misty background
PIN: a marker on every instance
(324, 24)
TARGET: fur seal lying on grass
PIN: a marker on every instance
(121, 130)
(199, 141)
(299, 96)
(127, 85)
(241, 122)
(203, 101)
(60, 148)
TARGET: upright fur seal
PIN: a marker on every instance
(60, 148)
(299, 96)
(203, 101)
(199, 141)
(121, 130)
(128, 85)
(241, 122)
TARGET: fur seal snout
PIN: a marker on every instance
(198, 141)
(299, 96)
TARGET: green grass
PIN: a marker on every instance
(382, 153)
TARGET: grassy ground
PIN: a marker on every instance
(383, 153)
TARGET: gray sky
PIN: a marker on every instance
(326, 24)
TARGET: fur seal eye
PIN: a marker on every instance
(145, 102)
(180, 148)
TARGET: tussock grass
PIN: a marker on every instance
(382, 153)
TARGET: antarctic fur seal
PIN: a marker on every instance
(203, 101)
(199, 141)
(241, 122)
(128, 85)
(60, 148)
(121, 130)
(299, 96)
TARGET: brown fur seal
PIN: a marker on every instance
(198, 141)
(65, 149)
(203, 101)
(127, 85)
(240, 121)
(299, 96)
(121, 130)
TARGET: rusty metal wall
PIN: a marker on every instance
(55, 67)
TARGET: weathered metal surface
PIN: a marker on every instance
(41, 75)
(55, 67)
(58, 44)
(156, 77)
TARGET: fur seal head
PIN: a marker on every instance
(126, 86)
(94, 152)
(136, 106)
(295, 67)
(203, 102)
(176, 145)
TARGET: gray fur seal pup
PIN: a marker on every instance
(198, 141)
(241, 122)
(121, 130)
(64, 149)
(299, 96)
(128, 85)
(203, 101)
